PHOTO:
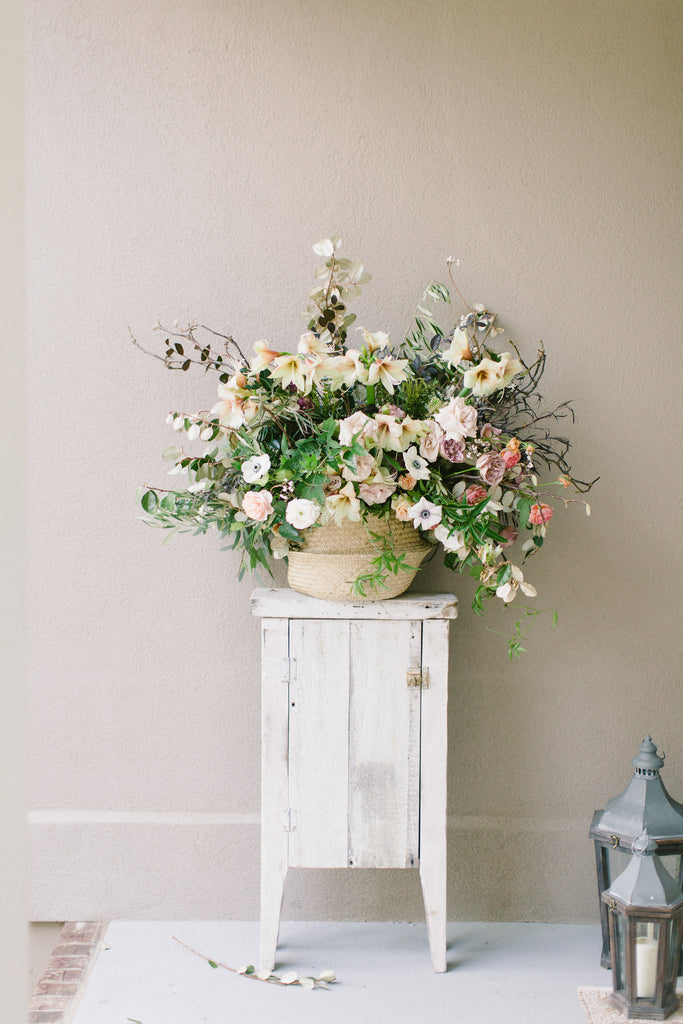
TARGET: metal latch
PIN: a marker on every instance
(418, 678)
(289, 820)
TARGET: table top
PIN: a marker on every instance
(282, 603)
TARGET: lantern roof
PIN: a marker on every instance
(644, 805)
(645, 882)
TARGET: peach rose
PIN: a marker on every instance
(258, 505)
(510, 457)
(401, 507)
(540, 514)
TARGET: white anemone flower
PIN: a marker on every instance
(508, 591)
(425, 514)
(415, 464)
(255, 469)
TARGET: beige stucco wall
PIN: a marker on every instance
(182, 159)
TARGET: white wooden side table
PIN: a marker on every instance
(354, 744)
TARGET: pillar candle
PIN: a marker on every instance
(646, 967)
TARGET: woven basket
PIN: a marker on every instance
(333, 556)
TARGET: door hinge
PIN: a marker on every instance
(289, 820)
(418, 678)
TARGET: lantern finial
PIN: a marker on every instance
(648, 762)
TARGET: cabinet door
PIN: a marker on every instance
(354, 743)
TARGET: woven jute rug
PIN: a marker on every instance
(599, 1010)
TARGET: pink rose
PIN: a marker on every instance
(509, 457)
(457, 419)
(258, 505)
(453, 450)
(510, 535)
(375, 494)
(491, 467)
(540, 514)
(488, 430)
(475, 494)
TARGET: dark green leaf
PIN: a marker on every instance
(211, 963)
(149, 501)
(179, 348)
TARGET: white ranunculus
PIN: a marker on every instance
(255, 469)
(302, 513)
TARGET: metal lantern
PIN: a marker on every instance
(644, 805)
(645, 912)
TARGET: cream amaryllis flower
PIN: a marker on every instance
(510, 366)
(457, 420)
(310, 344)
(290, 369)
(302, 513)
(508, 591)
(229, 409)
(347, 369)
(376, 341)
(389, 372)
(264, 355)
(255, 469)
(344, 505)
(358, 425)
(452, 540)
(458, 349)
(389, 432)
(425, 514)
(484, 378)
(410, 431)
(416, 466)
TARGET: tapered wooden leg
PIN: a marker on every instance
(433, 879)
(273, 874)
(274, 783)
(433, 787)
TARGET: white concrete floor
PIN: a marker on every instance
(497, 974)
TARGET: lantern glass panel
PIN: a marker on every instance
(673, 954)
(673, 862)
(647, 947)
(619, 952)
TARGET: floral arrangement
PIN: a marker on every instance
(444, 432)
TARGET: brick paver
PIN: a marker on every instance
(65, 971)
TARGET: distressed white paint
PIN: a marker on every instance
(384, 744)
(318, 742)
(290, 603)
(359, 768)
